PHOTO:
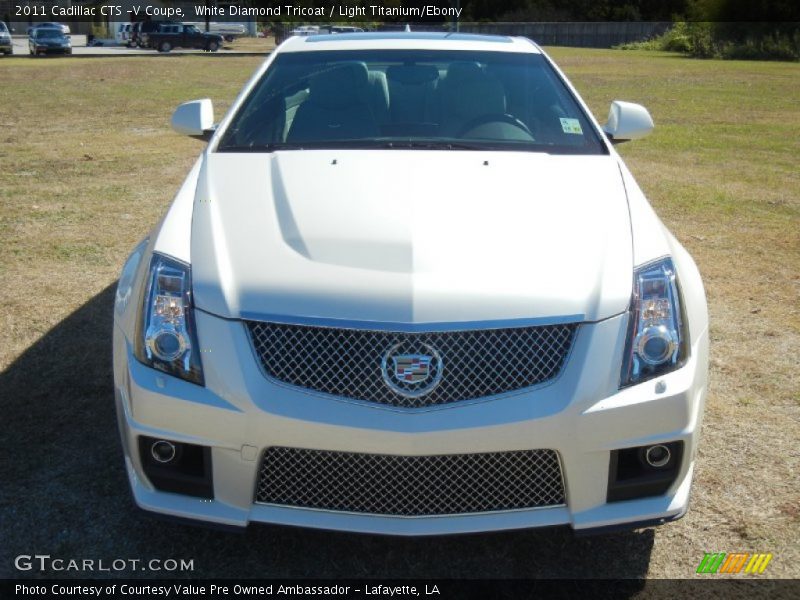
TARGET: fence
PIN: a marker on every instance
(581, 34)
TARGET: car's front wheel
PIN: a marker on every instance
(213, 46)
(164, 47)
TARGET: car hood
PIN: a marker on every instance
(411, 236)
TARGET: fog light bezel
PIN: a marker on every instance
(657, 464)
(189, 472)
(630, 477)
(155, 455)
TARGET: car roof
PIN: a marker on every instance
(408, 40)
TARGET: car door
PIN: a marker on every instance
(195, 39)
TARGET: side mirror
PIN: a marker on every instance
(627, 121)
(195, 119)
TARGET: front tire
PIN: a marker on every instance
(213, 46)
(164, 47)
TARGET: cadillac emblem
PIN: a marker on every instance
(412, 374)
(412, 368)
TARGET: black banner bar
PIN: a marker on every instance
(485, 589)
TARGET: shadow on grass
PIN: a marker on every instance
(64, 493)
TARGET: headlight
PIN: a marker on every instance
(657, 338)
(166, 336)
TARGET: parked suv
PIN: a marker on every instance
(410, 287)
(178, 35)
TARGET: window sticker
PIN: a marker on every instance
(571, 126)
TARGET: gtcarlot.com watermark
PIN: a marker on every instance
(47, 563)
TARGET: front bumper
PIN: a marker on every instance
(52, 50)
(581, 415)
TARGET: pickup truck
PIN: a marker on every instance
(229, 31)
(177, 35)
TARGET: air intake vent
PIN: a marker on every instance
(384, 484)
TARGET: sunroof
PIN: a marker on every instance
(409, 35)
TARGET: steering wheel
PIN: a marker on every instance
(493, 118)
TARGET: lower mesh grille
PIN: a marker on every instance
(410, 485)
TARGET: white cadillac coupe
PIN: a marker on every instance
(411, 288)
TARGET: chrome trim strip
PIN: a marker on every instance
(409, 517)
(412, 327)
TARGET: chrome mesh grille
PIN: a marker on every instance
(348, 362)
(410, 485)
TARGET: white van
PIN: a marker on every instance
(122, 33)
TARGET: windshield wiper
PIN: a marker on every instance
(360, 145)
(260, 147)
(430, 145)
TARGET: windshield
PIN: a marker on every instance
(3, 28)
(411, 99)
(191, 29)
(49, 33)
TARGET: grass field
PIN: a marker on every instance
(87, 166)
